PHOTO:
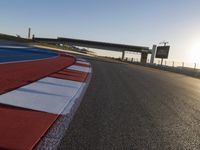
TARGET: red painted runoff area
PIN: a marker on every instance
(21, 128)
(14, 75)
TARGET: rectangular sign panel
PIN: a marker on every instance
(162, 51)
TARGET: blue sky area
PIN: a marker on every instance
(135, 22)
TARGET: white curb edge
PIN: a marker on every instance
(54, 135)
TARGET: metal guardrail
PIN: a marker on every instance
(191, 69)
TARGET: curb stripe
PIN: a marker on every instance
(82, 65)
(81, 59)
(41, 97)
(71, 75)
(34, 113)
(82, 62)
(79, 68)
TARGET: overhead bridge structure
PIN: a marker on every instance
(100, 45)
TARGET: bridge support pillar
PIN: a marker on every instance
(144, 57)
(123, 55)
(153, 54)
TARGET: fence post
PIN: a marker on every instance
(173, 64)
(195, 65)
(182, 65)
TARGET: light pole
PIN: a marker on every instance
(29, 33)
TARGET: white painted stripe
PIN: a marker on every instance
(80, 68)
(48, 95)
(82, 62)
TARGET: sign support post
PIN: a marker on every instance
(161, 61)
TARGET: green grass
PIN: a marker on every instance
(13, 38)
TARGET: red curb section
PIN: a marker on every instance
(83, 65)
(74, 75)
(23, 128)
(54, 135)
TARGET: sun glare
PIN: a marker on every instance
(194, 52)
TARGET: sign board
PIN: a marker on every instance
(162, 52)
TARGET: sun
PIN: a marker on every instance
(195, 51)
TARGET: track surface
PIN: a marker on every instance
(133, 107)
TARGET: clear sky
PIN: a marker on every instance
(135, 22)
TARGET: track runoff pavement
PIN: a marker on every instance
(134, 107)
(39, 96)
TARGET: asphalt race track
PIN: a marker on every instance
(133, 107)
